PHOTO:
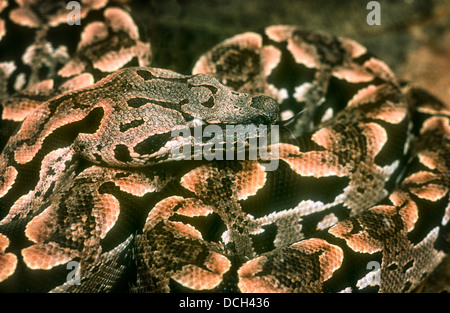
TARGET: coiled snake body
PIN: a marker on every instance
(359, 200)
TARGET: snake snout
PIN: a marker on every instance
(267, 110)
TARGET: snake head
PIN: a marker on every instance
(143, 107)
(214, 103)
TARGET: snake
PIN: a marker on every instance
(93, 198)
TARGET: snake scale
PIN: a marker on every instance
(359, 201)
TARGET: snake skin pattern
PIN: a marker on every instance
(359, 201)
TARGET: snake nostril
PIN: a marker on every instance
(258, 102)
(267, 107)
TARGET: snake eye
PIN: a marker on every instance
(261, 119)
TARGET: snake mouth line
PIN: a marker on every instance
(224, 142)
